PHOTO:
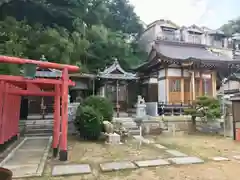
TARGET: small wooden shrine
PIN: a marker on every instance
(118, 85)
(38, 105)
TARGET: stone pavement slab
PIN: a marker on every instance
(159, 146)
(29, 157)
(186, 160)
(71, 169)
(114, 166)
(237, 157)
(150, 163)
(176, 153)
(219, 158)
(144, 140)
(23, 171)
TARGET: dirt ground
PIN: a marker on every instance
(201, 146)
(95, 153)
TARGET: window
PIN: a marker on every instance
(169, 33)
(175, 85)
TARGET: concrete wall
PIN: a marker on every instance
(148, 38)
(162, 94)
(174, 72)
(152, 108)
(229, 85)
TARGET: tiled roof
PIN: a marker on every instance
(184, 51)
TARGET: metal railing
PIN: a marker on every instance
(171, 109)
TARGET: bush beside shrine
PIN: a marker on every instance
(90, 116)
(88, 122)
(102, 105)
(204, 107)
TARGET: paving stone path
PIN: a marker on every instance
(218, 158)
(114, 166)
(186, 160)
(159, 146)
(150, 163)
(144, 140)
(237, 157)
(71, 169)
(29, 157)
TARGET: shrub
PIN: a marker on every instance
(102, 105)
(88, 123)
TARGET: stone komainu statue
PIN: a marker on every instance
(108, 127)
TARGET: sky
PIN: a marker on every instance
(210, 13)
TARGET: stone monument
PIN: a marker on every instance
(113, 138)
(140, 107)
(72, 111)
(140, 114)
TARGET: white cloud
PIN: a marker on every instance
(182, 12)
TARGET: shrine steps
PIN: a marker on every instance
(129, 124)
(38, 127)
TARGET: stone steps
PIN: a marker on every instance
(38, 134)
(129, 124)
(134, 132)
(38, 128)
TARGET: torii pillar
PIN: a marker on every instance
(63, 155)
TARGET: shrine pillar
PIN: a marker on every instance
(214, 84)
(182, 85)
(64, 122)
(102, 91)
(2, 97)
(201, 85)
(57, 120)
(193, 85)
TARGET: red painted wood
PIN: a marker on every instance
(10, 106)
(17, 113)
(64, 123)
(36, 80)
(33, 87)
(5, 113)
(41, 64)
(1, 111)
(12, 87)
(57, 117)
(30, 93)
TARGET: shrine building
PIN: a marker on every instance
(178, 72)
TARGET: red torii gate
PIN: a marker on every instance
(13, 87)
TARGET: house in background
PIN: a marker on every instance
(169, 31)
(185, 62)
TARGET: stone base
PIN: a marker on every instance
(55, 152)
(63, 155)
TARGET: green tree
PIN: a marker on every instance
(207, 108)
(232, 27)
(13, 42)
(88, 33)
